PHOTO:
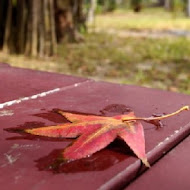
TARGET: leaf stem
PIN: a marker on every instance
(157, 118)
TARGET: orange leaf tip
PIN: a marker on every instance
(145, 162)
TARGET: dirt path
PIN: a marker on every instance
(144, 33)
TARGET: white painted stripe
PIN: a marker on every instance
(6, 104)
(42, 94)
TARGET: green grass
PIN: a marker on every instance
(148, 19)
(160, 63)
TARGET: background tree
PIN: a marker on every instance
(188, 7)
(168, 5)
(136, 5)
(35, 27)
(91, 10)
(8, 27)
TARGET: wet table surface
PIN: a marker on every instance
(171, 172)
(29, 99)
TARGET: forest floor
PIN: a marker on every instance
(120, 49)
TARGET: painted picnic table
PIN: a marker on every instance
(29, 99)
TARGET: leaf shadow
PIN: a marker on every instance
(53, 116)
(115, 153)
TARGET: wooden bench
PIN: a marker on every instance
(28, 99)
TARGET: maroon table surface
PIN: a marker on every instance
(18, 83)
(28, 99)
(171, 172)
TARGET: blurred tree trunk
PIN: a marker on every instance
(110, 5)
(168, 5)
(7, 34)
(21, 25)
(161, 2)
(35, 27)
(3, 14)
(34, 40)
(136, 5)
(69, 20)
(52, 28)
(118, 2)
(28, 27)
(188, 8)
(79, 19)
(91, 11)
(42, 33)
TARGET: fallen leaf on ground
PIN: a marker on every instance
(96, 132)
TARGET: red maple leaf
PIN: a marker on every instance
(96, 132)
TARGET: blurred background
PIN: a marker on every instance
(141, 42)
